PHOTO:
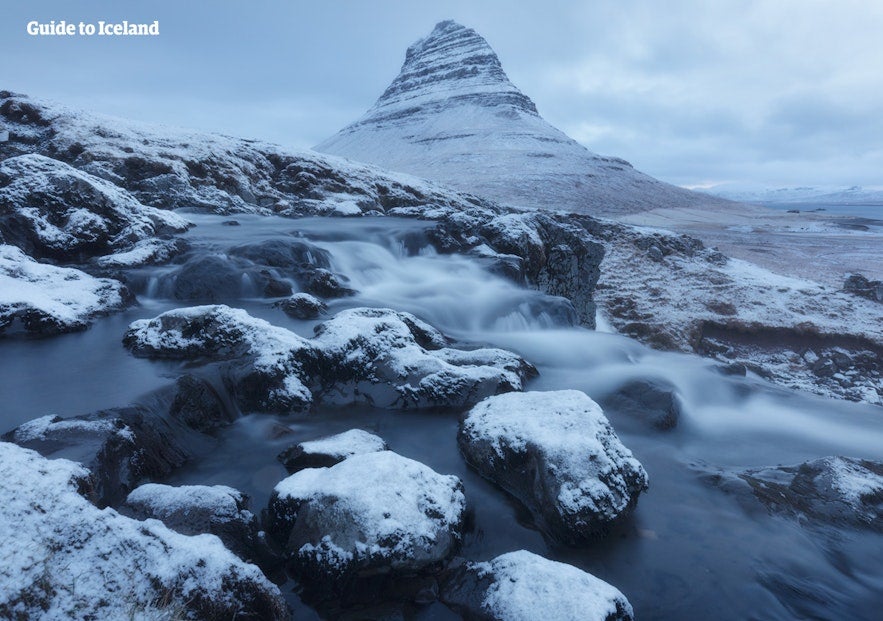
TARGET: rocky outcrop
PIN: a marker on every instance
(653, 402)
(40, 300)
(861, 286)
(558, 455)
(521, 585)
(302, 306)
(392, 515)
(52, 210)
(842, 491)
(330, 450)
(65, 558)
(375, 356)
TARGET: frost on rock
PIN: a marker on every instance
(379, 357)
(44, 299)
(65, 558)
(375, 511)
(50, 209)
(830, 490)
(556, 453)
(330, 450)
(521, 586)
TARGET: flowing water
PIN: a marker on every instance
(690, 551)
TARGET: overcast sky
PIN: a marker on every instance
(766, 92)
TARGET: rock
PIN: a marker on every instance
(292, 255)
(378, 357)
(323, 283)
(65, 558)
(842, 491)
(199, 406)
(861, 286)
(654, 253)
(302, 306)
(198, 509)
(120, 447)
(653, 402)
(330, 450)
(521, 585)
(207, 278)
(146, 252)
(42, 300)
(391, 514)
(52, 210)
(557, 454)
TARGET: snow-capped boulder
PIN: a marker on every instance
(833, 490)
(65, 558)
(198, 509)
(652, 401)
(40, 299)
(558, 455)
(519, 586)
(376, 356)
(389, 513)
(50, 209)
(302, 306)
(330, 450)
(120, 447)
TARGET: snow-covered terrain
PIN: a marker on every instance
(453, 116)
(804, 195)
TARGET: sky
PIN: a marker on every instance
(761, 93)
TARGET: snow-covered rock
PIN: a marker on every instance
(363, 355)
(453, 116)
(831, 490)
(330, 450)
(51, 209)
(198, 509)
(302, 306)
(557, 454)
(521, 586)
(42, 299)
(63, 558)
(389, 513)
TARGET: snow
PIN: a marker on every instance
(345, 445)
(161, 501)
(854, 482)
(142, 253)
(572, 439)
(66, 297)
(65, 558)
(527, 586)
(386, 507)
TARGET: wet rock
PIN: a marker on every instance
(521, 585)
(325, 284)
(374, 356)
(199, 406)
(42, 300)
(842, 491)
(78, 556)
(52, 210)
(652, 401)
(557, 454)
(121, 447)
(292, 255)
(207, 278)
(274, 287)
(330, 450)
(392, 516)
(303, 306)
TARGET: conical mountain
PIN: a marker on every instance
(452, 115)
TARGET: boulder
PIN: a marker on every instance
(861, 286)
(65, 558)
(372, 513)
(651, 401)
(521, 585)
(557, 454)
(52, 210)
(330, 450)
(302, 306)
(378, 357)
(842, 491)
(198, 405)
(41, 300)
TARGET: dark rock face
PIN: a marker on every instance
(859, 285)
(331, 450)
(393, 517)
(302, 306)
(199, 406)
(522, 585)
(558, 455)
(842, 491)
(653, 402)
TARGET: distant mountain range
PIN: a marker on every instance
(453, 116)
(855, 195)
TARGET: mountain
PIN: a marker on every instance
(855, 195)
(453, 116)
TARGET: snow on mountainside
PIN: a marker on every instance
(452, 115)
(855, 195)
